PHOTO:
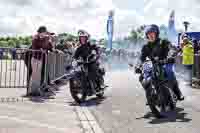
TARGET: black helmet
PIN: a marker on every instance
(152, 28)
(42, 29)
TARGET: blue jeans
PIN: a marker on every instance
(169, 72)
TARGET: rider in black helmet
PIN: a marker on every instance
(157, 47)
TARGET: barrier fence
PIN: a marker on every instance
(13, 72)
(18, 67)
(57, 63)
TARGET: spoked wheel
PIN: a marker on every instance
(162, 102)
(77, 91)
(155, 104)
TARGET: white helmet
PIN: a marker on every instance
(83, 33)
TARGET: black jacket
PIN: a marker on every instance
(159, 48)
(85, 50)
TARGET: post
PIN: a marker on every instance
(186, 24)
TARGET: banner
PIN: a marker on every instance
(110, 29)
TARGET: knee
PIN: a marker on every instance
(140, 78)
(146, 83)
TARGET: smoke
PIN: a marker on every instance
(119, 74)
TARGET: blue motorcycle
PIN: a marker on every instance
(157, 76)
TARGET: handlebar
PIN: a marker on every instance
(165, 61)
(81, 61)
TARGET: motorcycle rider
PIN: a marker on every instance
(159, 48)
(84, 50)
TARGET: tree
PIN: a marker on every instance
(11, 43)
(70, 37)
(7, 38)
(2, 38)
(133, 35)
(4, 44)
(140, 33)
(27, 40)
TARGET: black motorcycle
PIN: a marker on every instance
(80, 84)
(159, 93)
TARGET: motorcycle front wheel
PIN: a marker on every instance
(155, 102)
(77, 91)
(161, 102)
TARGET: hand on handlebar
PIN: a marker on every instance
(131, 65)
(138, 70)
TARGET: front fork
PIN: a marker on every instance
(89, 85)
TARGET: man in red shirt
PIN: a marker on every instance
(43, 40)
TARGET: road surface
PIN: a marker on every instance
(124, 111)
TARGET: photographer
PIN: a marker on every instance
(43, 41)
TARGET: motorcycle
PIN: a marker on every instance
(80, 84)
(157, 76)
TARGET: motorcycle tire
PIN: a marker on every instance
(75, 87)
(151, 102)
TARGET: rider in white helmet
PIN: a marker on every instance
(84, 50)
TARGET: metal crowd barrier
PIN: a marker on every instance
(196, 66)
(16, 67)
(56, 65)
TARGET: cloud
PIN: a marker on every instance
(17, 2)
(25, 16)
(158, 12)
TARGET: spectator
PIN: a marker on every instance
(188, 57)
(43, 40)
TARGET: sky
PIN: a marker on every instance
(23, 17)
